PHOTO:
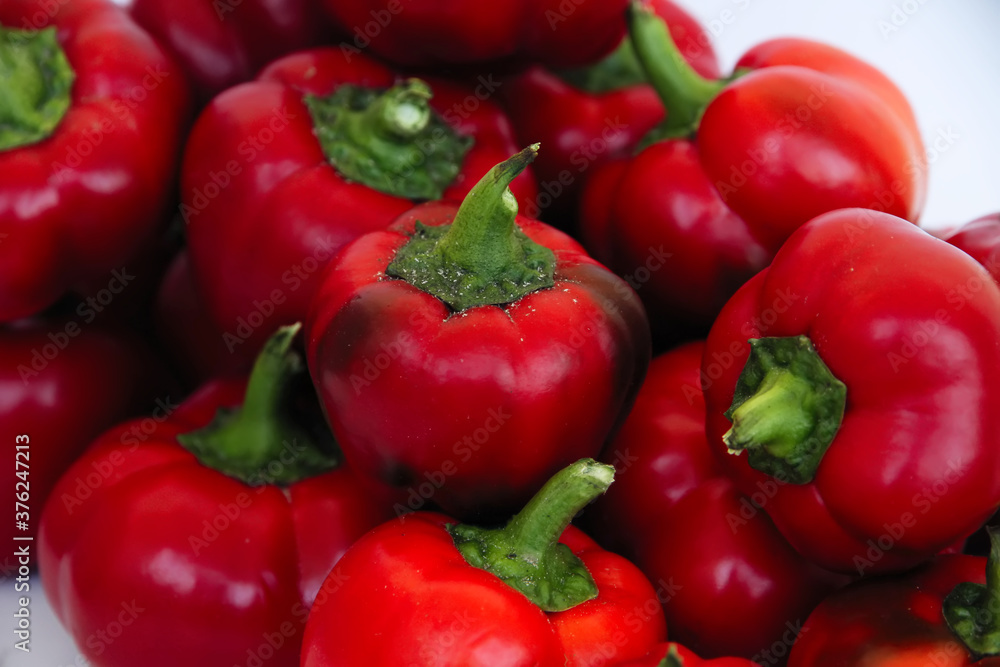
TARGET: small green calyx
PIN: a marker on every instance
(786, 409)
(972, 611)
(482, 257)
(526, 553)
(684, 92)
(389, 140)
(264, 441)
(619, 70)
(36, 81)
(672, 658)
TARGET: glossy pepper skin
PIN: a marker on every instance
(909, 467)
(427, 603)
(63, 383)
(736, 167)
(87, 164)
(431, 33)
(183, 326)
(906, 621)
(671, 492)
(477, 404)
(208, 566)
(221, 44)
(587, 116)
(980, 239)
(675, 655)
(265, 210)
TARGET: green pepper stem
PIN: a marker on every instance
(482, 239)
(401, 112)
(684, 92)
(526, 553)
(972, 611)
(482, 257)
(787, 408)
(242, 442)
(36, 80)
(545, 518)
(389, 140)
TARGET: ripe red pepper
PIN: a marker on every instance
(431, 33)
(675, 655)
(587, 116)
(535, 593)
(221, 43)
(947, 614)
(184, 327)
(266, 209)
(62, 383)
(470, 353)
(671, 493)
(981, 239)
(867, 393)
(801, 128)
(92, 113)
(208, 534)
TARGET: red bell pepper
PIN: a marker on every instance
(225, 42)
(587, 116)
(981, 239)
(675, 655)
(801, 128)
(206, 535)
(535, 593)
(63, 382)
(184, 327)
(470, 353)
(704, 546)
(431, 33)
(92, 113)
(866, 394)
(947, 614)
(266, 207)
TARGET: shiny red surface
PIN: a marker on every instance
(81, 203)
(423, 604)
(216, 567)
(808, 129)
(280, 211)
(473, 410)
(891, 622)
(705, 547)
(581, 131)
(913, 468)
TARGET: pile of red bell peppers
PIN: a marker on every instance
(328, 332)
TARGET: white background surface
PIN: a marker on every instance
(945, 57)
